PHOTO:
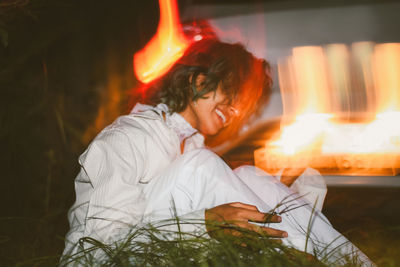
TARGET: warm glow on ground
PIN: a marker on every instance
(341, 111)
(165, 48)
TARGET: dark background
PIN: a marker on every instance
(66, 72)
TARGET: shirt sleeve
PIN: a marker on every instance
(114, 166)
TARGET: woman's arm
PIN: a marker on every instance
(113, 166)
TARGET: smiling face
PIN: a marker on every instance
(201, 85)
(211, 113)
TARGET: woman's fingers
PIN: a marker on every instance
(256, 216)
(251, 213)
(271, 232)
(272, 218)
(264, 217)
(243, 206)
(240, 214)
(274, 232)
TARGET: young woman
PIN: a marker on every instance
(152, 164)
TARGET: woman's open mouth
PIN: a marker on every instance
(221, 115)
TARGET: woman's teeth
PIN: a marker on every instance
(221, 115)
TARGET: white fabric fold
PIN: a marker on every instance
(311, 186)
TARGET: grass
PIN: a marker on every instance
(155, 246)
(379, 242)
(35, 243)
(164, 244)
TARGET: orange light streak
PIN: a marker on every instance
(341, 111)
(165, 48)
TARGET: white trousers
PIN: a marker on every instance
(200, 180)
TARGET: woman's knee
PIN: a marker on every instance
(200, 168)
(248, 172)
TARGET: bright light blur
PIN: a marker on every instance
(341, 111)
(165, 48)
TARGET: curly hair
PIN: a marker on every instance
(244, 78)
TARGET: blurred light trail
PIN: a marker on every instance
(341, 111)
(165, 48)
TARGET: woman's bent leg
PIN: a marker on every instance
(200, 180)
(305, 225)
(197, 180)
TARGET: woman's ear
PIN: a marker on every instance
(200, 78)
(198, 86)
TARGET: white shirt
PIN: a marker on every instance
(116, 166)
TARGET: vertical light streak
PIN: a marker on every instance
(165, 48)
(341, 110)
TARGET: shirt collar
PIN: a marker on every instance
(182, 128)
(174, 121)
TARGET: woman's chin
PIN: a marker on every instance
(211, 131)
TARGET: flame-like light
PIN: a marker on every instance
(341, 110)
(165, 48)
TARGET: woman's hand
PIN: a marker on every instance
(239, 214)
